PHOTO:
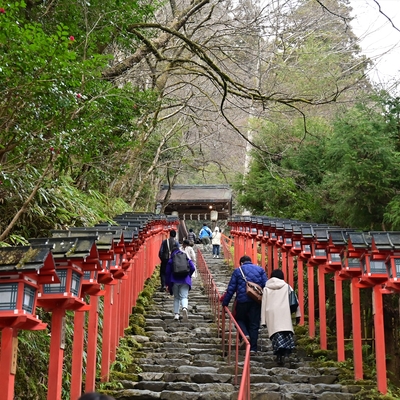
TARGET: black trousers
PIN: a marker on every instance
(163, 270)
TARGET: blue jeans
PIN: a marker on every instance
(248, 316)
(181, 293)
(216, 249)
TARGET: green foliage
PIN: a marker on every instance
(349, 176)
(61, 125)
(57, 204)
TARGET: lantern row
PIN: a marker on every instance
(366, 259)
(70, 271)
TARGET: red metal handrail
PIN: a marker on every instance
(226, 325)
(227, 245)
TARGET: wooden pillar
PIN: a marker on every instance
(8, 360)
(290, 269)
(275, 257)
(106, 346)
(93, 324)
(322, 308)
(254, 256)
(311, 304)
(380, 350)
(77, 355)
(263, 255)
(56, 354)
(339, 318)
(356, 322)
(285, 265)
(300, 285)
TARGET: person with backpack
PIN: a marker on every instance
(165, 254)
(205, 236)
(178, 279)
(192, 237)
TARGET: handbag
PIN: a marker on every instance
(293, 303)
(253, 290)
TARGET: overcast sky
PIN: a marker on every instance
(380, 40)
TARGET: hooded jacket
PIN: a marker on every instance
(169, 276)
(253, 273)
(275, 309)
(216, 237)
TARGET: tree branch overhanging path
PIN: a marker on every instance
(204, 61)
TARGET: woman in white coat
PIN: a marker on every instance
(275, 313)
(216, 242)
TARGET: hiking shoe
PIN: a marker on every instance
(242, 344)
(184, 314)
(176, 318)
(280, 360)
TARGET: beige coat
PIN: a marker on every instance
(216, 238)
(275, 309)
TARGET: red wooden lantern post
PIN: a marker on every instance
(262, 241)
(272, 239)
(22, 270)
(240, 250)
(375, 275)
(351, 269)
(254, 243)
(295, 251)
(66, 295)
(337, 242)
(319, 259)
(307, 235)
(286, 247)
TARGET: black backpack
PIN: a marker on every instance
(180, 265)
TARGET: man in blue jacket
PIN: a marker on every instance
(205, 236)
(248, 311)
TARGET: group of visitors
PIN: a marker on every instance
(274, 311)
(180, 285)
(208, 237)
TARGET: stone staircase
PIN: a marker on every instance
(184, 360)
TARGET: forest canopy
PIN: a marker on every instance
(104, 101)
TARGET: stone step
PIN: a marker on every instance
(184, 360)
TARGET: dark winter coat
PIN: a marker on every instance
(237, 284)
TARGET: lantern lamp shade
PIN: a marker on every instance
(75, 283)
(8, 296)
(297, 244)
(319, 252)
(28, 300)
(397, 266)
(353, 262)
(393, 267)
(377, 267)
(58, 288)
(350, 262)
(334, 257)
(52, 288)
